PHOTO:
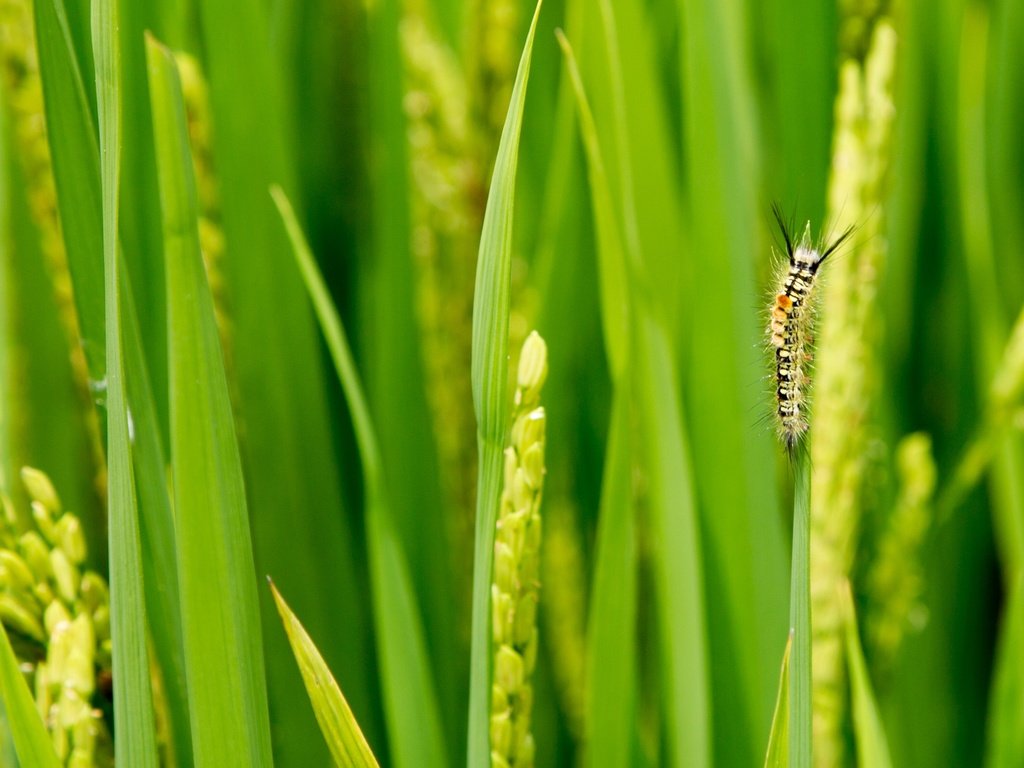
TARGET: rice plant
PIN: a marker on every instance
(401, 382)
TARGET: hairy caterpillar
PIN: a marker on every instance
(790, 328)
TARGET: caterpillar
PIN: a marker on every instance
(790, 327)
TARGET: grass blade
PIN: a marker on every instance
(414, 724)
(490, 394)
(611, 637)
(394, 368)
(337, 723)
(76, 167)
(745, 548)
(290, 459)
(135, 733)
(800, 620)
(673, 511)
(611, 634)
(1005, 731)
(227, 691)
(31, 739)
(869, 735)
(76, 170)
(612, 269)
(677, 555)
(777, 755)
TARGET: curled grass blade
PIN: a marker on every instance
(414, 724)
(491, 304)
(337, 723)
(219, 610)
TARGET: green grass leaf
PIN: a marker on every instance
(75, 152)
(291, 464)
(800, 619)
(1005, 731)
(219, 609)
(134, 727)
(777, 755)
(868, 733)
(611, 636)
(414, 724)
(678, 564)
(337, 723)
(662, 446)
(612, 270)
(490, 394)
(742, 524)
(389, 342)
(31, 739)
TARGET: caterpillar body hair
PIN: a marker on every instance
(791, 325)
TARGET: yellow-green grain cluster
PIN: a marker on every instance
(58, 615)
(894, 581)
(516, 586)
(846, 365)
(23, 97)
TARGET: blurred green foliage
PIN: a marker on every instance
(381, 121)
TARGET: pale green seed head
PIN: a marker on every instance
(93, 591)
(533, 368)
(19, 617)
(41, 489)
(14, 573)
(508, 669)
(56, 617)
(44, 522)
(36, 555)
(501, 615)
(70, 538)
(66, 575)
(504, 567)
